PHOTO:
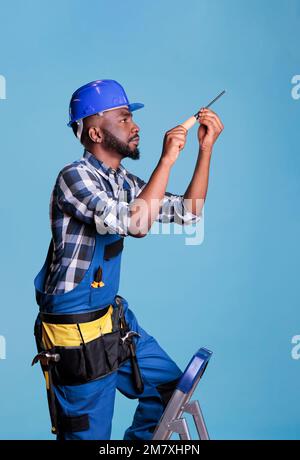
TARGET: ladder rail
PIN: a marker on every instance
(172, 420)
(194, 409)
(180, 426)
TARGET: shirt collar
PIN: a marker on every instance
(102, 167)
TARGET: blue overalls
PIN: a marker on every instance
(84, 381)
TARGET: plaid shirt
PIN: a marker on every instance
(88, 198)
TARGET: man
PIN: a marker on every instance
(89, 341)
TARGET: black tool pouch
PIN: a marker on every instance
(90, 361)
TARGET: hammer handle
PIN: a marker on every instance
(137, 377)
(136, 373)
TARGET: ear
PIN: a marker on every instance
(95, 134)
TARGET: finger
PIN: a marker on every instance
(210, 113)
(211, 123)
(206, 110)
(177, 133)
(208, 117)
(181, 130)
(218, 119)
(178, 138)
(215, 118)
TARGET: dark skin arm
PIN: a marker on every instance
(145, 209)
(209, 130)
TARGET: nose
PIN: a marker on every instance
(135, 128)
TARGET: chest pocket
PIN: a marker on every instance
(111, 263)
(106, 279)
(113, 249)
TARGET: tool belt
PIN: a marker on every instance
(85, 346)
(77, 348)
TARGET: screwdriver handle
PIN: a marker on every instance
(189, 123)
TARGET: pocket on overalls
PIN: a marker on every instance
(106, 276)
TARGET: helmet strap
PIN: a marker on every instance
(80, 125)
(79, 128)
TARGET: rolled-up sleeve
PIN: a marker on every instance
(80, 194)
(172, 209)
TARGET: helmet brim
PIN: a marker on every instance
(135, 106)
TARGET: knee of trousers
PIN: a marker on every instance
(166, 390)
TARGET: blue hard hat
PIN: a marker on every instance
(98, 96)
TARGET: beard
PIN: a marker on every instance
(111, 142)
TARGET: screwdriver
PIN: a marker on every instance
(192, 120)
(98, 279)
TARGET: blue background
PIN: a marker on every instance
(236, 293)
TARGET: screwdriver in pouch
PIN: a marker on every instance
(98, 279)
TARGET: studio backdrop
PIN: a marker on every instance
(229, 283)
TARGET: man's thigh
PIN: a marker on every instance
(92, 401)
(157, 367)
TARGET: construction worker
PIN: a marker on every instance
(89, 342)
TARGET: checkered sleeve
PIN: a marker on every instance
(173, 208)
(84, 196)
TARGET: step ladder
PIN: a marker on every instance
(172, 420)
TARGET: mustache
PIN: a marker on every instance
(133, 138)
